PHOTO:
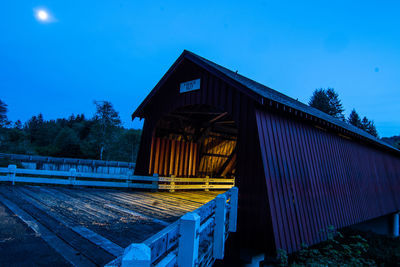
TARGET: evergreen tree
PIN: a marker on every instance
(3, 114)
(107, 121)
(365, 123)
(354, 119)
(369, 126)
(372, 129)
(327, 100)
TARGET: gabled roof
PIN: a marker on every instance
(254, 88)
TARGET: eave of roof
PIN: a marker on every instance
(261, 93)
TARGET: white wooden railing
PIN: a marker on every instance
(14, 175)
(72, 177)
(196, 239)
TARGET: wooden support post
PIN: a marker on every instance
(189, 240)
(137, 255)
(234, 207)
(172, 183)
(396, 224)
(155, 183)
(219, 231)
(207, 183)
(12, 169)
(72, 176)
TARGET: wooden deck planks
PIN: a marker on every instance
(98, 223)
(95, 238)
(89, 250)
(68, 253)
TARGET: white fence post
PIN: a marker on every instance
(189, 240)
(219, 230)
(12, 169)
(234, 208)
(137, 255)
(155, 183)
(129, 178)
(72, 176)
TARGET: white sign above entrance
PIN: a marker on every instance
(190, 86)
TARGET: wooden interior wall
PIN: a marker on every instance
(214, 156)
(316, 179)
(171, 157)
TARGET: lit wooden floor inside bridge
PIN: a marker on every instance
(44, 225)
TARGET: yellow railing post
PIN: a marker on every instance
(172, 183)
(207, 183)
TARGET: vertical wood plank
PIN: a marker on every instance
(157, 156)
(172, 158)
(162, 156)
(190, 159)
(167, 157)
(151, 163)
(182, 158)
(177, 158)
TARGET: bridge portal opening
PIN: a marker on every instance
(194, 141)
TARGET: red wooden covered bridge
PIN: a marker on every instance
(298, 170)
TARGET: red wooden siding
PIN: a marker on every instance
(315, 179)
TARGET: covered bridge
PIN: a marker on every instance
(298, 169)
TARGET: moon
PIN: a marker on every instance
(42, 15)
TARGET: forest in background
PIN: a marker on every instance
(100, 137)
(103, 136)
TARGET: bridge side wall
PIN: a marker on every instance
(316, 179)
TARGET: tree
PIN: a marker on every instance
(67, 143)
(354, 119)
(107, 121)
(327, 100)
(364, 124)
(372, 129)
(369, 126)
(126, 145)
(3, 114)
(18, 125)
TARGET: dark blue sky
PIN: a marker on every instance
(118, 50)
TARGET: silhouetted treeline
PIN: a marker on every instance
(328, 101)
(394, 141)
(77, 136)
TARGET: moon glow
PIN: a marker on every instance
(42, 15)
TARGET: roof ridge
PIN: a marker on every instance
(277, 96)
